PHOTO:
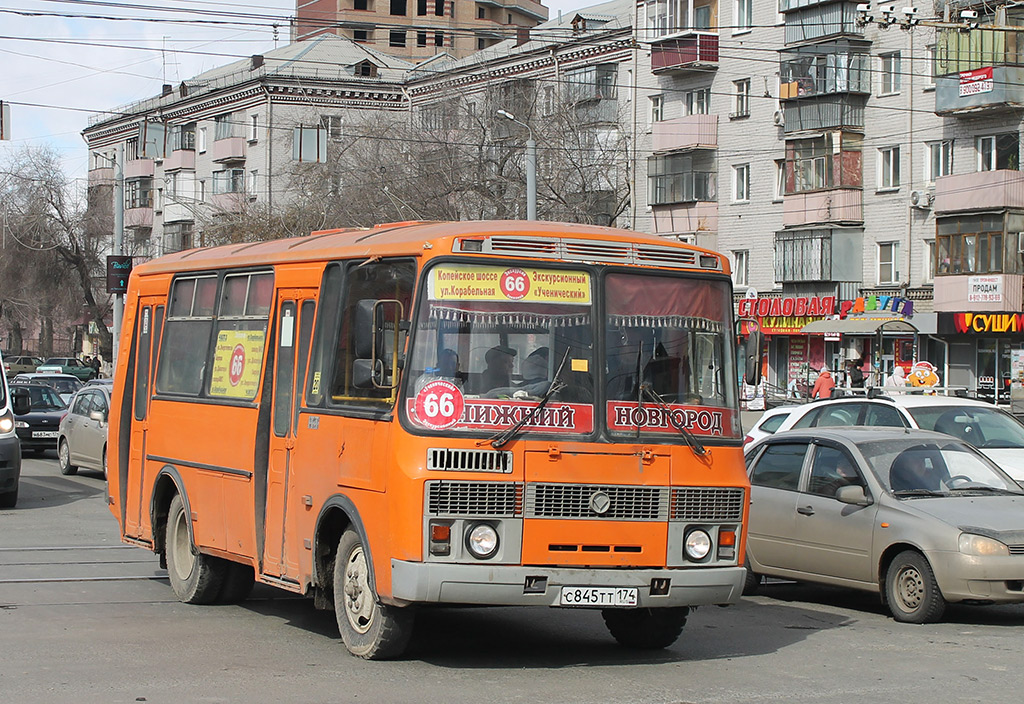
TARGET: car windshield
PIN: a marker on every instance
(909, 468)
(985, 428)
(65, 386)
(45, 399)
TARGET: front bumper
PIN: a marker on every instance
(10, 463)
(513, 585)
(994, 579)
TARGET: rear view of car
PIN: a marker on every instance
(39, 427)
(10, 449)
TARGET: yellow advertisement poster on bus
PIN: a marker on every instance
(237, 360)
(454, 282)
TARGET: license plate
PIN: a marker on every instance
(598, 596)
(45, 434)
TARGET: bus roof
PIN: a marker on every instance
(401, 238)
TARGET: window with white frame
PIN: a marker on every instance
(333, 124)
(744, 20)
(741, 183)
(668, 17)
(938, 159)
(741, 98)
(229, 181)
(698, 102)
(888, 168)
(201, 141)
(780, 180)
(928, 275)
(254, 127)
(657, 108)
(224, 127)
(889, 71)
(929, 68)
(999, 151)
(741, 267)
(888, 263)
(251, 186)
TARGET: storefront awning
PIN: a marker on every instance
(858, 326)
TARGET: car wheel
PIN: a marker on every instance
(104, 461)
(9, 499)
(752, 581)
(370, 630)
(911, 591)
(64, 458)
(196, 578)
(646, 629)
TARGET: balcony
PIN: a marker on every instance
(833, 206)
(229, 149)
(138, 168)
(825, 113)
(979, 191)
(696, 218)
(101, 176)
(818, 21)
(228, 202)
(690, 132)
(824, 69)
(138, 217)
(1002, 292)
(696, 51)
(682, 187)
(984, 90)
(180, 159)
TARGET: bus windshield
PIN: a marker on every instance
(491, 340)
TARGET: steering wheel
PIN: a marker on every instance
(957, 478)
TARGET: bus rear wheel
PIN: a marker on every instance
(646, 629)
(195, 578)
(370, 630)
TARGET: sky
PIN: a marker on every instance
(62, 60)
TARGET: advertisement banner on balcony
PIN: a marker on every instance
(985, 289)
(977, 81)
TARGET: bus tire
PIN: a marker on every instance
(64, 459)
(646, 629)
(369, 629)
(195, 578)
(239, 580)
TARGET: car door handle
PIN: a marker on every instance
(805, 510)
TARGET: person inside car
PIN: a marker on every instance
(911, 471)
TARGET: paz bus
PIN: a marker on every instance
(415, 414)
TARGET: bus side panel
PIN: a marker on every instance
(119, 429)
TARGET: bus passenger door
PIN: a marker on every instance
(150, 313)
(295, 313)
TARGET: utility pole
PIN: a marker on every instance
(118, 246)
(531, 166)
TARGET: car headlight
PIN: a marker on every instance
(6, 422)
(482, 541)
(971, 544)
(697, 545)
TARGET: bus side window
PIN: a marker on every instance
(189, 324)
(326, 324)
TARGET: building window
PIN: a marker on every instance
(229, 181)
(591, 83)
(888, 168)
(890, 72)
(698, 102)
(744, 16)
(397, 38)
(481, 43)
(741, 183)
(183, 136)
(681, 178)
(131, 149)
(999, 151)
(138, 193)
(254, 127)
(741, 98)
(657, 108)
(360, 4)
(365, 68)
(333, 125)
(973, 244)
(888, 263)
(421, 7)
(398, 8)
(360, 35)
(252, 184)
(817, 163)
(928, 275)
(438, 38)
(224, 128)
(439, 8)
(930, 72)
(202, 190)
(741, 267)
(481, 12)
(803, 255)
(421, 39)
(939, 159)
(202, 139)
(780, 180)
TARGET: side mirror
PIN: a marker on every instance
(753, 352)
(378, 341)
(98, 416)
(367, 373)
(21, 401)
(853, 495)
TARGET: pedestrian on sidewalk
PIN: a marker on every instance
(824, 385)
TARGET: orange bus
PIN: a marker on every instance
(488, 413)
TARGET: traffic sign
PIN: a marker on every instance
(119, 267)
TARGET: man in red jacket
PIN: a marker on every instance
(824, 385)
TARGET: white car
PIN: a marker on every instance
(768, 423)
(995, 432)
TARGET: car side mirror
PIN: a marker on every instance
(21, 401)
(98, 416)
(853, 495)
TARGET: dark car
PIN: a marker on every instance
(10, 449)
(39, 428)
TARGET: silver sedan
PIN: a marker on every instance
(82, 441)
(919, 517)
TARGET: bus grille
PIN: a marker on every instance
(707, 504)
(474, 498)
(624, 503)
(444, 459)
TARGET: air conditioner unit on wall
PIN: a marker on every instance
(921, 199)
(779, 118)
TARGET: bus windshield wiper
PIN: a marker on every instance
(505, 436)
(690, 438)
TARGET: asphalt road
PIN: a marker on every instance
(84, 619)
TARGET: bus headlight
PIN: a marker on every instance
(6, 422)
(482, 541)
(697, 545)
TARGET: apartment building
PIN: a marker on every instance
(418, 29)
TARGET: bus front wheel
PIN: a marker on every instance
(195, 578)
(646, 629)
(370, 630)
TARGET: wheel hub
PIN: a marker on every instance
(359, 603)
(910, 588)
(183, 561)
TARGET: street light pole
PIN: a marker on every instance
(118, 247)
(531, 166)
